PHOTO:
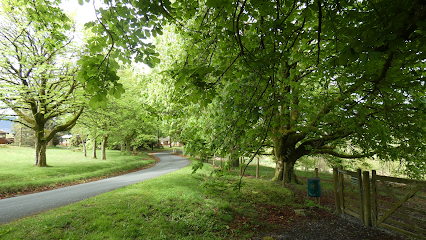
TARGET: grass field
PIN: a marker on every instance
(18, 173)
(178, 205)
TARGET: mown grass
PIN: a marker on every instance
(178, 205)
(18, 173)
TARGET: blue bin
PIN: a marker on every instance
(314, 187)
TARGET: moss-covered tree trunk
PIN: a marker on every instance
(42, 155)
(285, 151)
(40, 145)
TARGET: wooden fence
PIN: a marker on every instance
(350, 194)
(397, 204)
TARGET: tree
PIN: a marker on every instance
(37, 73)
(129, 120)
(81, 135)
(321, 77)
(24, 136)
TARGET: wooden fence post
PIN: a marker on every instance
(336, 189)
(367, 198)
(257, 168)
(341, 193)
(374, 201)
(361, 195)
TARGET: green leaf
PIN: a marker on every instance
(93, 103)
(375, 55)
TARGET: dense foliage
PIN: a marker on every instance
(339, 78)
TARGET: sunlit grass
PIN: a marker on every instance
(173, 206)
(18, 173)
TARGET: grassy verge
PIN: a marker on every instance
(173, 206)
(266, 172)
(18, 173)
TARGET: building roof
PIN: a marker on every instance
(164, 139)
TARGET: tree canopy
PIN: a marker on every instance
(340, 78)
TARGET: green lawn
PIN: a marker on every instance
(178, 205)
(18, 173)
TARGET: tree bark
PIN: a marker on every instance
(285, 151)
(128, 147)
(42, 155)
(103, 146)
(36, 153)
(40, 158)
(83, 143)
(94, 148)
(234, 160)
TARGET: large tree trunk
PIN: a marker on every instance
(40, 148)
(36, 147)
(285, 151)
(94, 148)
(104, 143)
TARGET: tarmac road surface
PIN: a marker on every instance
(26, 205)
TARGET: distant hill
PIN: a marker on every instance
(6, 126)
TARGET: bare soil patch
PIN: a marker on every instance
(320, 224)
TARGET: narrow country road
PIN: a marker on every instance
(22, 206)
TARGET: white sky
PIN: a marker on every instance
(85, 13)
